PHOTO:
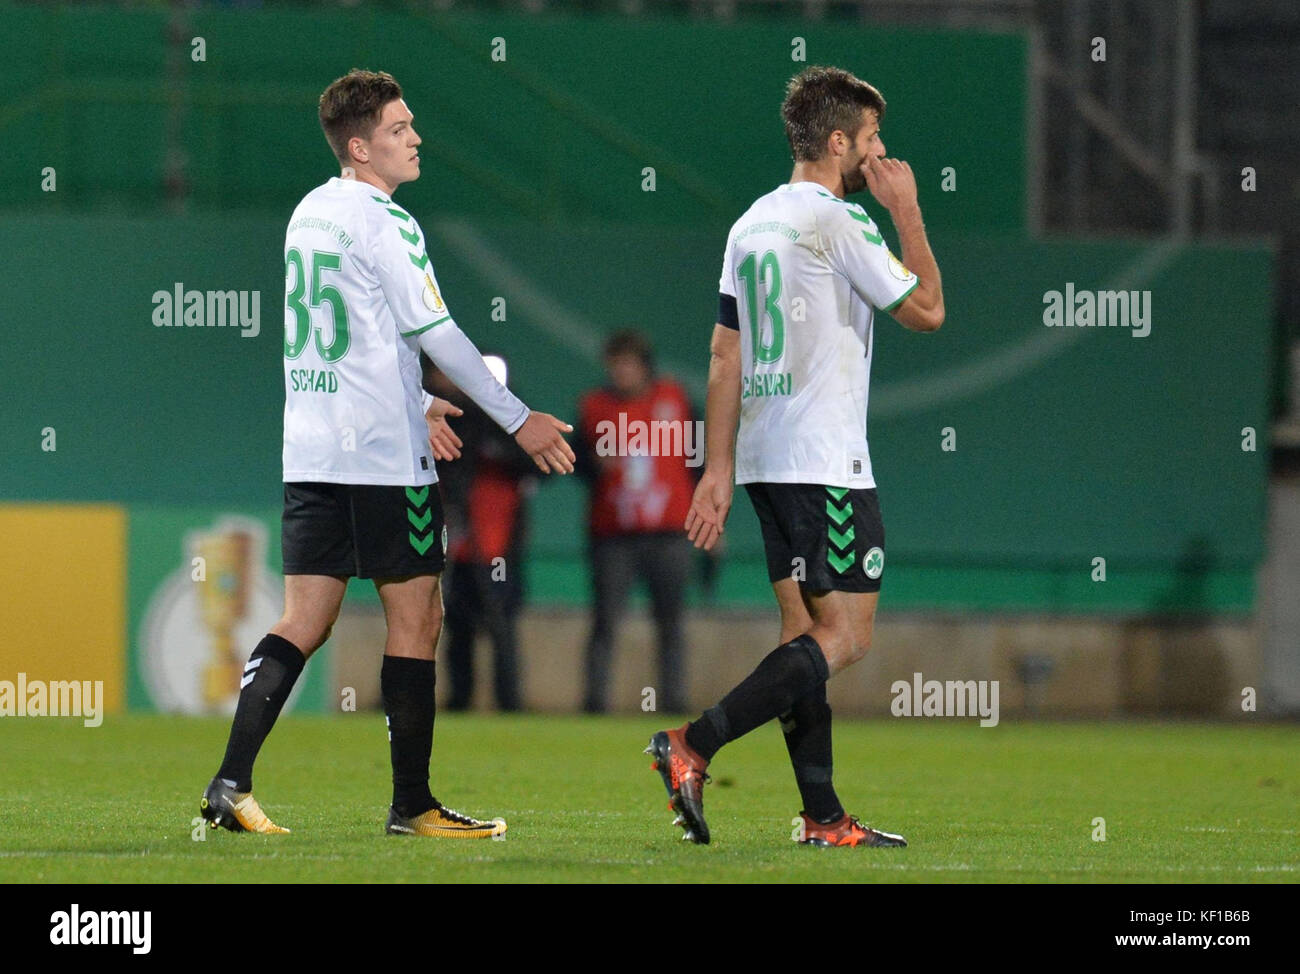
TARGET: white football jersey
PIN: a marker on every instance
(807, 269)
(359, 290)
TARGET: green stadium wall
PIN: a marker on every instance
(1072, 444)
(558, 132)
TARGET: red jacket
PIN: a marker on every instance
(637, 452)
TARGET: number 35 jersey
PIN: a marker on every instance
(806, 270)
(359, 290)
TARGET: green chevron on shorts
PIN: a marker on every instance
(839, 529)
(420, 516)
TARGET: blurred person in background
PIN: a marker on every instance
(485, 498)
(641, 488)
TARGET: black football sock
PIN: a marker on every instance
(269, 676)
(807, 729)
(784, 675)
(407, 688)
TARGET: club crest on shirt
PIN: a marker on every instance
(432, 299)
(897, 269)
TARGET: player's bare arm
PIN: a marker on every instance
(712, 501)
(892, 184)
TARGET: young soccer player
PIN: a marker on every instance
(360, 440)
(786, 416)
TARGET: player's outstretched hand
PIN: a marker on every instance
(709, 509)
(891, 182)
(540, 437)
(442, 438)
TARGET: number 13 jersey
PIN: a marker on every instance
(806, 270)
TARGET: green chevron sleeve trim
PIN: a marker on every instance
(903, 296)
(421, 331)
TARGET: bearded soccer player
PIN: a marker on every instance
(786, 416)
(360, 440)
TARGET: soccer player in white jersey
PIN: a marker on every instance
(802, 277)
(360, 440)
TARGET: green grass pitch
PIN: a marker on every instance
(1182, 802)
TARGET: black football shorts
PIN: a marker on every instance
(362, 530)
(826, 538)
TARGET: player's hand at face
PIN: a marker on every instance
(709, 509)
(891, 182)
(442, 438)
(541, 437)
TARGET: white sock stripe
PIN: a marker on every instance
(253, 664)
(246, 680)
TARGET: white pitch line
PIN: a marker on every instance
(578, 333)
(147, 854)
(1218, 828)
(568, 328)
(996, 368)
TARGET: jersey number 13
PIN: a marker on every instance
(763, 274)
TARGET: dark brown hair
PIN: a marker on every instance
(350, 107)
(630, 342)
(820, 100)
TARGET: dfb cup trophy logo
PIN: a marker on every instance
(223, 601)
(203, 619)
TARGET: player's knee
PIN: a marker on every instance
(837, 646)
(858, 648)
(844, 645)
(432, 623)
(313, 639)
(417, 634)
(308, 635)
(859, 642)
